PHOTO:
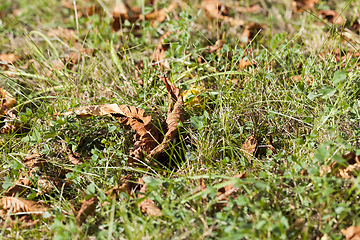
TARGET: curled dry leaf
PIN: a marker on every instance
(159, 53)
(299, 78)
(74, 158)
(139, 67)
(7, 101)
(8, 58)
(351, 233)
(122, 12)
(175, 115)
(35, 160)
(331, 16)
(216, 10)
(63, 33)
(210, 49)
(300, 5)
(124, 186)
(250, 31)
(250, 145)
(160, 15)
(47, 184)
(18, 188)
(148, 139)
(147, 205)
(18, 205)
(87, 209)
(223, 193)
(254, 8)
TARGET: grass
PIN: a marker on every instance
(311, 124)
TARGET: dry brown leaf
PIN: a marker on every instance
(18, 205)
(216, 10)
(254, 8)
(175, 115)
(74, 57)
(74, 158)
(250, 145)
(160, 15)
(300, 5)
(18, 188)
(147, 205)
(63, 33)
(122, 12)
(159, 53)
(125, 186)
(250, 31)
(351, 233)
(210, 49)
(87, 209)
(47, 184)
(8, 58)
(148, 139)
(139, 67)
(270, 145)
(331, 16)
(35, 160)
(299, 78)
(7, 101)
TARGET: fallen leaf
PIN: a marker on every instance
(175, 115)
(211, 49)
(216, 10)
(63, 33)
(160, 15)
(122, 12)
(46, 184)
(74, 159)
(351, 233)
(159, 53)
(124, 186)
(300, 5)
(7, 101)
(139, 67)
(18, 205)
(35, 160)
(192, 97)
(299, 78)
(250, 145)
(19, 188)
(8, 58)
(250, 31)
(254, 8)
(331, 16)
(147, 205)
(87, 209)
